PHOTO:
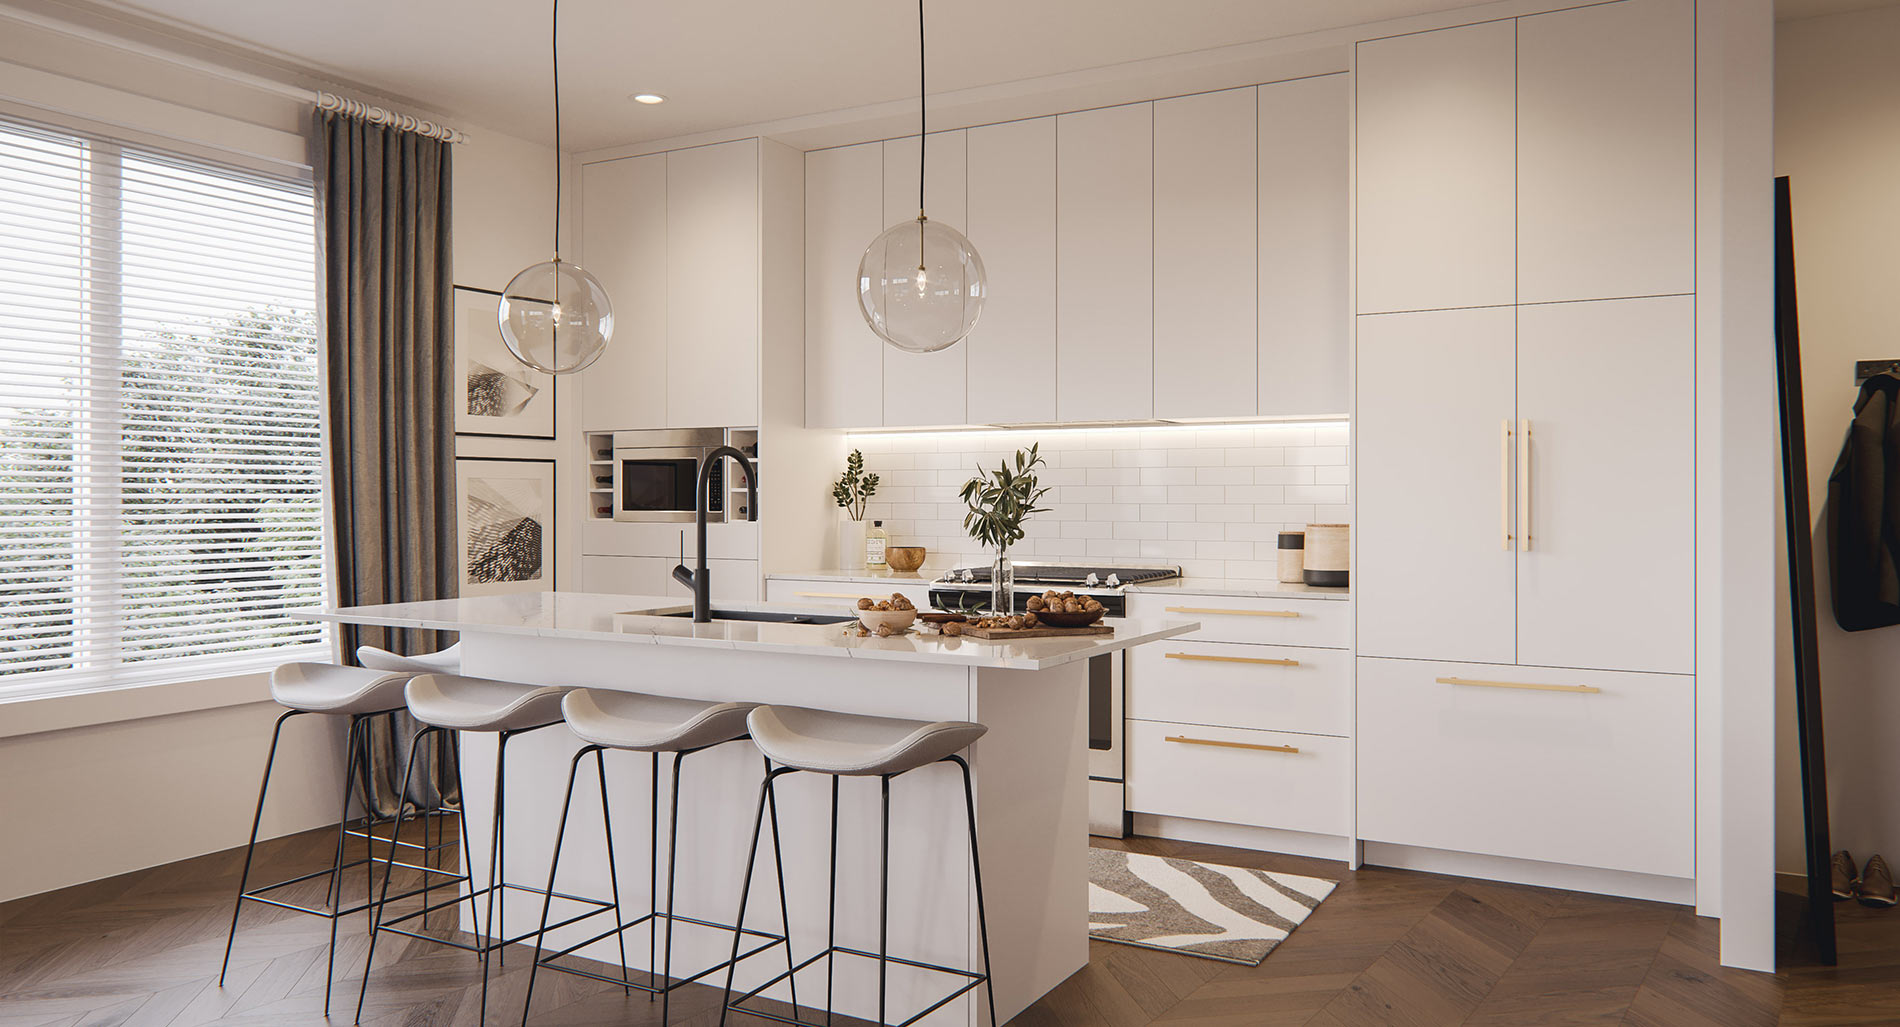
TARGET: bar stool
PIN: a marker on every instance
(444, 661)
(634, 722)
(846, 745)
(330, 690)
(450, 702)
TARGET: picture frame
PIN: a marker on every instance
(496, 395)
(505, 523)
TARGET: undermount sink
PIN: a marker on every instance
(756, 616)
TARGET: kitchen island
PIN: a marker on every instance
(1030, 775)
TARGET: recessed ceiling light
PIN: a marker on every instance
(648, 98)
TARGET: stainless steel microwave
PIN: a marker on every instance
(656, 474)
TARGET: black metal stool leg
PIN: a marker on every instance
(653, 874)
(745, 890)
(554, 865)
(336, 868)
(495, 871)
(784, 911)
(461, 830)
(883, 895)
(831, 929)
(389, 870)
(613, 870)
(976, 874)
(250, 848)
(672, 875)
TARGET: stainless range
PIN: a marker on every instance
(968, 589)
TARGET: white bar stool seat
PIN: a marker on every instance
(447, 661)
(652, 723)
(478, 704)
(855, 746)
(328, 688)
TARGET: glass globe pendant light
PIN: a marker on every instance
(921, 285)
(554, 316)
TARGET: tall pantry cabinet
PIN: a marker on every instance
(1525, 438)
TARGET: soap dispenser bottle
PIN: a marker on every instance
(875, 540)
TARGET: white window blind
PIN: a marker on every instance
(160, 461)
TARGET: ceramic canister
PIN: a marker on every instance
(1292, 556)
(1328, 554)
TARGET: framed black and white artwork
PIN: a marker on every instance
(505, 511)
(495, 394)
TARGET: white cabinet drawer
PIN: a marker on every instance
(1326, 623)
(1257, 686)
(820, 592)
(1497, 760)
(1262, 778)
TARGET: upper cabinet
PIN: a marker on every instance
(675, 240)
(844, 211)
(1104, 264)
(929, 387)
(1012, 223)
(1304, 231)
(1436, 124)
(1606, 152)
(712, 285)
(624, 207)
(1206, 255)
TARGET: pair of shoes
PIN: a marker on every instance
(1872, 884)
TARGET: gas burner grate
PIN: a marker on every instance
(1068, 575)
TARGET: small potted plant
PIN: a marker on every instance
(852, 492)
(999, 502)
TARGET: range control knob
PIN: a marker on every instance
(1091, 580)
(1114, 581)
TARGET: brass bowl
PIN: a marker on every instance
(904, 559)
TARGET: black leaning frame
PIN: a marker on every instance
(1799, 524)
(554, 382)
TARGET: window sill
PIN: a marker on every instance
(64, 711)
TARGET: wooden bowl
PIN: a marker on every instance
(1069, 620)
(897, 619)
(904, 559)
(934, 617)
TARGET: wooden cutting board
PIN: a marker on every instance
(1039, 631)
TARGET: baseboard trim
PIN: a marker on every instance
(1244, 836)
(1676, 890)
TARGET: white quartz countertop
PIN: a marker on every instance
(1201, 586)
(617, 618)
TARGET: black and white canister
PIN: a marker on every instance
(1328, 554)
(1292, 556)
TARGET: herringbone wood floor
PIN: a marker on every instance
(1388, 948)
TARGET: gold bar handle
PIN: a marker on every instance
(1504, 483)
(828, 595)
(1524, 488)
(1232, 659)
(1233, 613)
(1525, 685)
(1231, 745)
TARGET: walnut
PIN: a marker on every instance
(953, 629)
(866, 604)
(1015, 622)
(1037, 603)
(883, 631)
(1029, 620)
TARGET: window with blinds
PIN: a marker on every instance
(160, 461)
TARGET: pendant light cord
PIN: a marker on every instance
(554, 44)
(923, 109)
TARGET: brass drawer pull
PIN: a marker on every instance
(828, 595)
(1234, 613)
(1231, 745)
(1232, 659)
(1526, 685)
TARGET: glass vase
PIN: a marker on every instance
(1002, 585)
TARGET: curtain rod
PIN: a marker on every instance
(384, 116)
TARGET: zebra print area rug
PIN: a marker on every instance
(1197, 909)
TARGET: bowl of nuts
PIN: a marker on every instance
(886, 616)
(1066, 609)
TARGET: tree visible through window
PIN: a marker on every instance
(160, 461)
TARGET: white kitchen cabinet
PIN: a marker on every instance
(1305, 324)
(1012, 223)
(1105, 264)
(1321, 623)
(1206, 256)
(844, 359)
(1224, 684)
(925, 388)
(1608, 580)
(1606, 151)
(1435, 572)
(712, 285)
(624, 245)
(1602, 778)
(1290, 782)
(1436, 119)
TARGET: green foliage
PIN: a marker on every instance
(1002, 499)
(855, 488)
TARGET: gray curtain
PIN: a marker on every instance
(383, 217)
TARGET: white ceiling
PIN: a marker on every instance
(724, 63)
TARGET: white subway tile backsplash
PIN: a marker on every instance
(1211, 499)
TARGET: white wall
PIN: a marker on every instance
(81, 800)
(1837, 137)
